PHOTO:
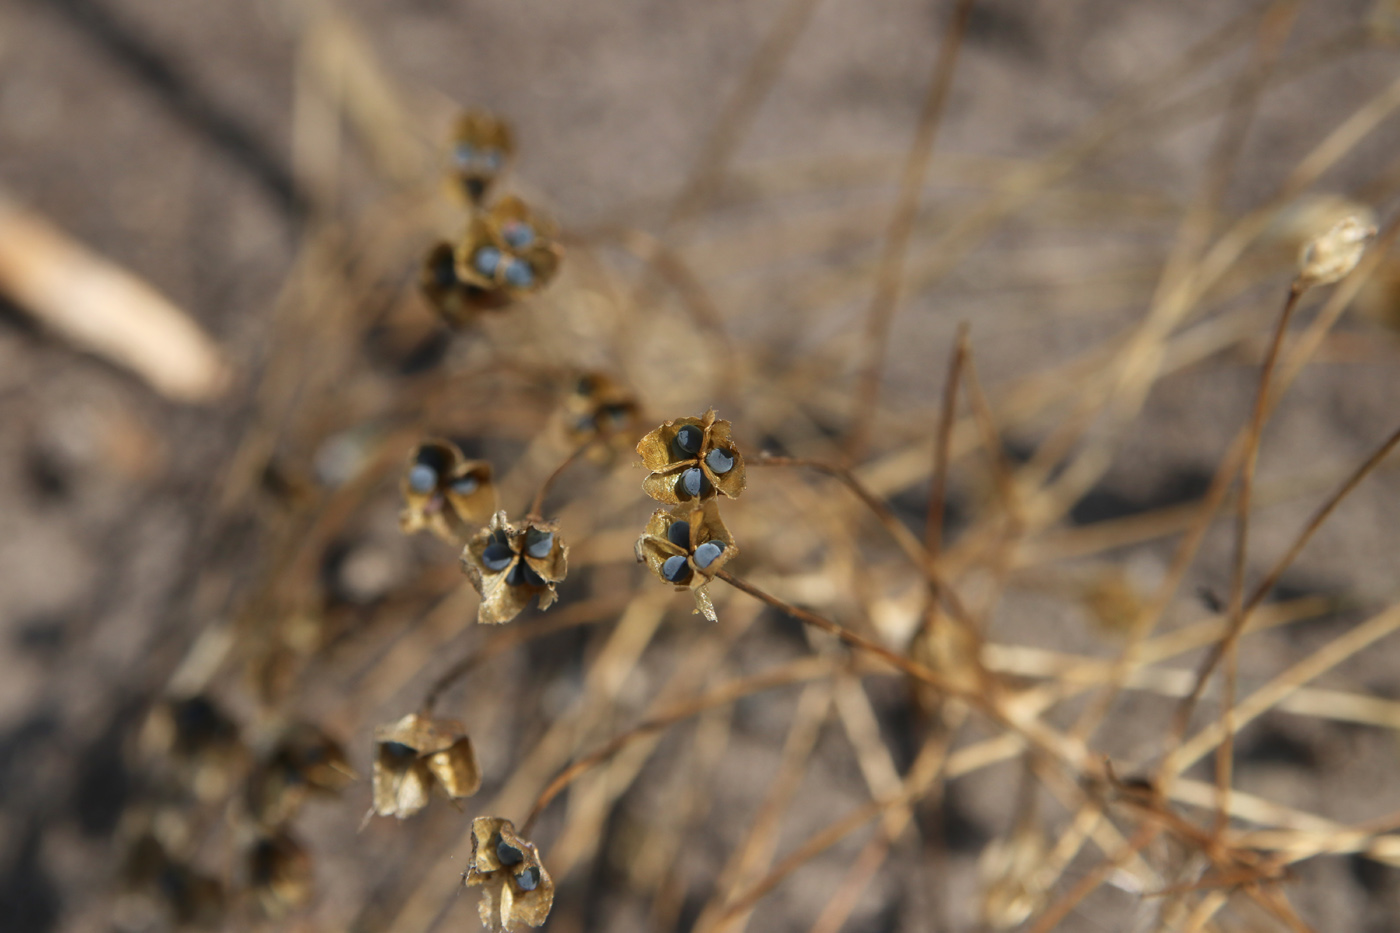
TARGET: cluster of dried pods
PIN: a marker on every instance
(198, 753)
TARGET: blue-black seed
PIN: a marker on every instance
(486, 260)
(466, 485)
(519, 274)
(720, 460)
(692, 482)
(706, 553)
(679, 534)
(518, 235)
(497, 556)
(522, 574)
(398, 751)
(675, 569)
(422, 478)
(464, 155)
(688, 440)
(539, 543)
(528, 879)
(508, 854)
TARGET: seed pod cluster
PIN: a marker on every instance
(511, 564)
(691, 462)
(600, 409)
(417, 755)
(515, 888)
(507, 250)
(444, 492)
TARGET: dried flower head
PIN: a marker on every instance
(600, 409)
(691, 459)
(190, 898)
(509, 251)
(198, 740)
(279, 874)
(1329, 257)
(686, 546)
(515, 886)
(482, 146)
(458, 302)
(304, 762)
(416, 754)
(445, 492)
(510, 564)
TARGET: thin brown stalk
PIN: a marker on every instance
(890, 275)
(537, 504)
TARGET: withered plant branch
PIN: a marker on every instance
(912, 547)
(537, 504)
(890, 275)
(1003, 474)
(1224, 759)
(809, 668)
(938, 483)
(571, 616)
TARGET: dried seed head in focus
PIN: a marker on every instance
(1331, 256)
(482, 146)
(444, 492)
(515, 886)
(198, 740)
(415, 754)
(686, 546)
(279, 874)
(511, 564)
(305, 761)
(692, 459)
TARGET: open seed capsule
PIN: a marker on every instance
(524, 575)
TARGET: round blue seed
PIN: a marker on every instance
(466, 485)
(679, 534)
(675, 569)
(519, 274)
(492, 159)
(539, 543)
(464, 155)
(688, 440)
(422, 478)
(528, 879)
(518, 235)
(508, 854)
(720, 460)
(486, 260)
(497, 556)
(692, 482)
(522, 574)
(706, 553)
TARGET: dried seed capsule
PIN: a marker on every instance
(463, 486)
(508, 854)
(422, 478)
(539, 543)
(676, 570)
(529, 879)
(497, 556)
(692, 483)
(524, 574)
(519, 274)
(688, 441)
(720, 460)
(679, 534)
(397, 751)
(486, 260)
(518, 235)
(706, 553)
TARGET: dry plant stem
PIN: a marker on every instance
(793, 672)
(537, 504)
(908, 543)
(938, 485)
(1225, 756)
(901, 227)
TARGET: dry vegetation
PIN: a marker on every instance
(916, 617)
